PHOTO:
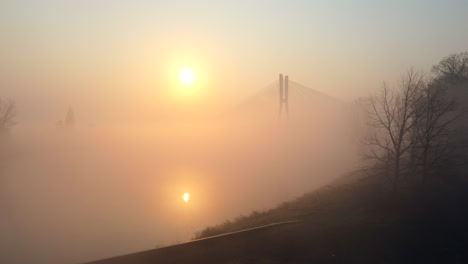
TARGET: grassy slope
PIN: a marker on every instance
(353, 220)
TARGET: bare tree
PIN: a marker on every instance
(433, 127)
(452, 72)
(453, 68)
(7, 115)
(392, 115)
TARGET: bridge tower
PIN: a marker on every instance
(283, 95)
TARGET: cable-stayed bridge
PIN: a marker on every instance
(285, 98)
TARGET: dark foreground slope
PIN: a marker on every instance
(352, 222)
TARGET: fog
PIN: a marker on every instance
(75, 194)
(106, 137)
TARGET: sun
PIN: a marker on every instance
(186, 197)
(187, 76)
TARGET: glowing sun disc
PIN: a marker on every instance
(186, 197)
(187, 76)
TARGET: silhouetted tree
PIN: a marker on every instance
(7, 115)
(452, 72)
(393, 114)
(432, 132)
(453, 69)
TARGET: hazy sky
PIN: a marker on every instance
(114, 60)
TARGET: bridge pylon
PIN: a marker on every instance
(283, 95)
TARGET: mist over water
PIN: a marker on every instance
(74, 195)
